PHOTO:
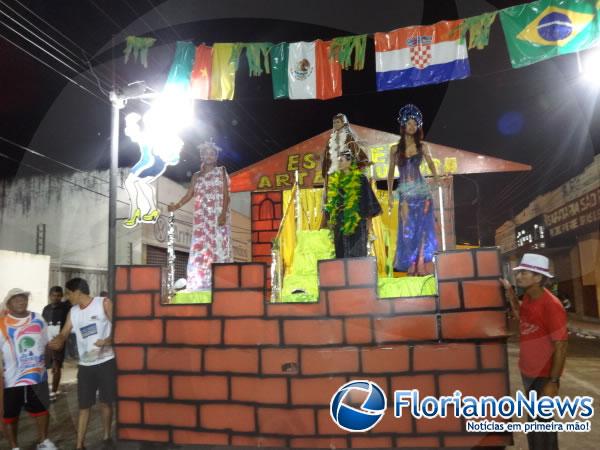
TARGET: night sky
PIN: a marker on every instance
(545, 115)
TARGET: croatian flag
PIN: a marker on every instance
(419, 55)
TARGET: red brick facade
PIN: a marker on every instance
(266, 217)
(245, 372)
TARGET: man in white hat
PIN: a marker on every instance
(543, 335)
(23, 343)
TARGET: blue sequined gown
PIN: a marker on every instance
(417, 241)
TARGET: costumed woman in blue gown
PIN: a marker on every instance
(416, 243)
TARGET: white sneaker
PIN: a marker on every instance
(46, 445)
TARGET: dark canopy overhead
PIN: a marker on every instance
(540, 115)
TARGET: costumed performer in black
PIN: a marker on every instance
(351, 204)
(342, 138)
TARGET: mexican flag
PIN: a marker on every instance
(310, 73)
(279, 64)
(546, 28)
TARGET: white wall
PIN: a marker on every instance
(28, 272)
(74, 208)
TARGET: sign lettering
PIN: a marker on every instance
(309, 169)
(575, 214)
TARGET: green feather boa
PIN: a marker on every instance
(344, 192)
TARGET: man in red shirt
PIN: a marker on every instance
(543, 336)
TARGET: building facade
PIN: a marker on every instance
(66, 217)
(563, 224)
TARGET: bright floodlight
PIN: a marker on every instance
(591, 67)
(170, 113)
(160, 126)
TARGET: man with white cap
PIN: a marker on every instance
(543, 335)
(23, 343)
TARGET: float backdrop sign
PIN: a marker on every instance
(277, 172)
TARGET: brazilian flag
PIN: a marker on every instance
(546, 28)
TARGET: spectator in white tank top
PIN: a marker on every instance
(90, 319)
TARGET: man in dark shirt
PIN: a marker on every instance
(55, 313)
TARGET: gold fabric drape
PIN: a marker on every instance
(310, 219)
(385, 227)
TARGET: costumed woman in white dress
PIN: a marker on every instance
(211, 232)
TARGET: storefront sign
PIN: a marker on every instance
(582, 211)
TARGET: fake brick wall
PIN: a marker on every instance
(245, 372)
(266, 217)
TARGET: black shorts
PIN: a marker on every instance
(35, 398)
(100, 378)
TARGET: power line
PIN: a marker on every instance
(37, 169)
(38, 29)
(145, 23)
(76, 71)
(53, 69)
(41, 155)
(83, 63)
(84, 53)
(54, 28)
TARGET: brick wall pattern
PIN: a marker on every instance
(245, 372)
(266, 216)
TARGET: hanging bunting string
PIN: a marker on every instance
(138, 47)
(257, 55)
(343, 47)
(478, 28)
(219, 63)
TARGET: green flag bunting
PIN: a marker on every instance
(478, 28)
(138, 47)
(343, 47)
(257, 55)
(546, 28)
(279, 70)
(181, 68)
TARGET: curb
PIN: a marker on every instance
(590, 334)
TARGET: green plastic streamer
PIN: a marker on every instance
(343, 47)
(138, 47)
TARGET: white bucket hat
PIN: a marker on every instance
(12, 293)
(535, 263)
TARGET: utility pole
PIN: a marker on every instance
(118, 103)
